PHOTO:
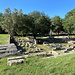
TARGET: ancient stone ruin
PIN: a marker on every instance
(15, 60)
(6, 50)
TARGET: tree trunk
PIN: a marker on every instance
(34, 35)
(11, 38)
(58, 32)
(50, 33)
(34, 39)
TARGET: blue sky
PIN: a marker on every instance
(50, 7)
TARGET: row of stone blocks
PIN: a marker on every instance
(15, 60)
(8, 49)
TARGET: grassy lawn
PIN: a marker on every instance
(62, 65)
(4, 38)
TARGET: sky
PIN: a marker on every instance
(49, 7)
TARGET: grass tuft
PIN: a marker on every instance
(4, 38)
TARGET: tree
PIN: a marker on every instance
(1, 30)
(43, 23)
(11, 20)
(7, 22)
(24, 27)
(40, 24)
(70, 13)
(69, 25)
(17, 17)
(57, 24)
(69, 22)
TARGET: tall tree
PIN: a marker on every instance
(69, 22)
(17, 17)
(1, 30)
(6, 21)
(24, 27)
(41, 23)
(11, 20)
(57, 24)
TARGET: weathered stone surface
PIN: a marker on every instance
(15, 62)
(26, 53)
(8, 49)
(72, 42)
(55, 53)
(27, 56)
(14, 58)
(41, 54)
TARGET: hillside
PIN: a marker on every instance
(62, 65)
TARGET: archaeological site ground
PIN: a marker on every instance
(43, 56)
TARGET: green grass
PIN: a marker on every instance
(25, 38)
(62, 65)
(47, 49)
(41, 37)
(4, 38)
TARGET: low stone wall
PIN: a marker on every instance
(15, 60)
(9, 49)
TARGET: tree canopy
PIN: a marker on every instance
(57, 24)
(15, 22)
(36, 23)
(41, 23)
(69, 22)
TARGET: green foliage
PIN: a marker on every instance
(70, 13)
(35, 23)
(1, 30)
(18, 23)
(11, 20)
(62, 65)
(41, 23)
(69, 22)
(57, 24)
(6, 21)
